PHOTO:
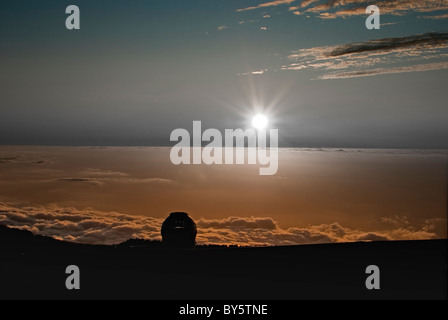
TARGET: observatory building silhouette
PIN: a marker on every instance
(179, 231)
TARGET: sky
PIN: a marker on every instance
(137, 70)
(86, 117)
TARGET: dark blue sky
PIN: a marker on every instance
(136, 70)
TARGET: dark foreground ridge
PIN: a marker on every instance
(33, 267)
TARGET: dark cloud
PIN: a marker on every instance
(94, 227)
(19, 158)
(374, 57)
(431, 39)
(8, 158)
(373, 237)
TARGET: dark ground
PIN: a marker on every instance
(33, 267)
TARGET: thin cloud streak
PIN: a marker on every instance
(438, 17)
(374, 72)
(267, 4)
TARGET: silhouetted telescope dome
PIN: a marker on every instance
(179, 230)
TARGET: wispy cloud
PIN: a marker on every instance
(247, 21)
(95, 227)
(438, 17)
(221, 28)
(306, 3)
(256, 72)
(81, 180)
(374, 72)
(422, 52)
(18, 158)
(267, 4)
(331, 9)
(101, 177)
(420, 41)
(384, 24)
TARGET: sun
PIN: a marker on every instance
(260, 121)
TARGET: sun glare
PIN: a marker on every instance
(260, 121)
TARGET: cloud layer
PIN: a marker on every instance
(82, 226)
(94, 227)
